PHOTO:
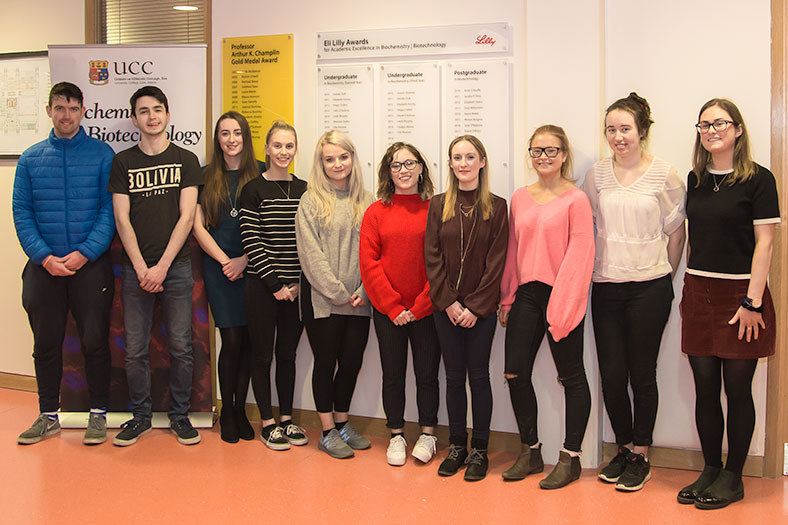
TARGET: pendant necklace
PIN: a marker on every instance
(233, 210)
(464, 252)
(716, 184)
(276, 183)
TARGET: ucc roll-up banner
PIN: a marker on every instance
(108, 76)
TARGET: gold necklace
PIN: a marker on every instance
(276, 183)
(467, 213)
(716, 185)
(464, 252)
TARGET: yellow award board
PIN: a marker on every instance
(257, 81)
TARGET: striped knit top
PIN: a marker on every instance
(633, 222)
(267, 222)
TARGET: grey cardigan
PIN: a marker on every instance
(329, 257)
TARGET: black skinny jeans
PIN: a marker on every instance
(269, 320)
(47, 300)
(393, 343)
(525, 329)
(466, 352)
(335, 340)
(629, 319)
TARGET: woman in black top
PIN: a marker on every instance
(727, 311)
(216, 229)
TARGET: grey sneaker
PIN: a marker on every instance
(334, 445)
(42, 427)
(295, 434)
(131, 431)
(96, 433)
(351, 436)
(187, 434)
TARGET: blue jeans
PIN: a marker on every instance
(176, 304)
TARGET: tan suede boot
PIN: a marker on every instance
(566, 471)
(528, 462)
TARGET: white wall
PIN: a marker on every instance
(27, 26)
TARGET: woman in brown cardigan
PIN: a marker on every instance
(465, 251)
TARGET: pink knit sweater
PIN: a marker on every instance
(552, 243)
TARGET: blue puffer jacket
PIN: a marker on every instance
(60, 200)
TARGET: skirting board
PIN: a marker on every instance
(686, 459)
(18, 382)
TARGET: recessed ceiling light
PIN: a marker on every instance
(185, 8)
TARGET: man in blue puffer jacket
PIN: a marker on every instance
(64, 221)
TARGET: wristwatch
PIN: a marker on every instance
(747, 304)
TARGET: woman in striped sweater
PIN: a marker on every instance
(268, 208)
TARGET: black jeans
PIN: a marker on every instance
(629, 319)
(525, 329)
(274, 328)
(47, 300)
(466, 352)
(393, 342)
(335, 340)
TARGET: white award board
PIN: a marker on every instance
(477, 103)
(345, 102)
(409, 109)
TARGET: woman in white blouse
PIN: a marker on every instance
(638, 204)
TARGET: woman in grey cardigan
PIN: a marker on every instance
(334, 307)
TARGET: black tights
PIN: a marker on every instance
(234, 360)
(737, 375)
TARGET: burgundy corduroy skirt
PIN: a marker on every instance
(707, 304)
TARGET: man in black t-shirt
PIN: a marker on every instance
(154, 186)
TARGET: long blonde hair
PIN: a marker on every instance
(743, 166)
(323, 192)
(484, 200)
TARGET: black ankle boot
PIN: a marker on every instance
(726, 489)
(477, 464)
(245, 430)
(228, 425)
(454, 461)
(688, 494)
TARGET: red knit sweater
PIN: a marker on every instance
(391, 256)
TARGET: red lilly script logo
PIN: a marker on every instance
(485, 40)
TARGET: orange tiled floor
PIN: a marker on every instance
(159, 481)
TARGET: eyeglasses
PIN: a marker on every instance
(409, 164)
(550, 151)
(719, 125)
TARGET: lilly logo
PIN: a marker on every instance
(99, 72)
(485, 40)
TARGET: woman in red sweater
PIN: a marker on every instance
(391, 257)
(545, 291)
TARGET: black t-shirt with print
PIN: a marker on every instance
(153, 184)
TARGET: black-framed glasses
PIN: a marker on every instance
(550, 151)
(719, 125)
(409, 164)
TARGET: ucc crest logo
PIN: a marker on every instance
(99, 72)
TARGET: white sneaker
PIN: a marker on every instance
(425, 448)
(396, 454)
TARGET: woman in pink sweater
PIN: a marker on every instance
(545, 290)
(391, 257)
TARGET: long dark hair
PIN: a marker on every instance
(216, 193)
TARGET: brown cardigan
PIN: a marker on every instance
(480, 287)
